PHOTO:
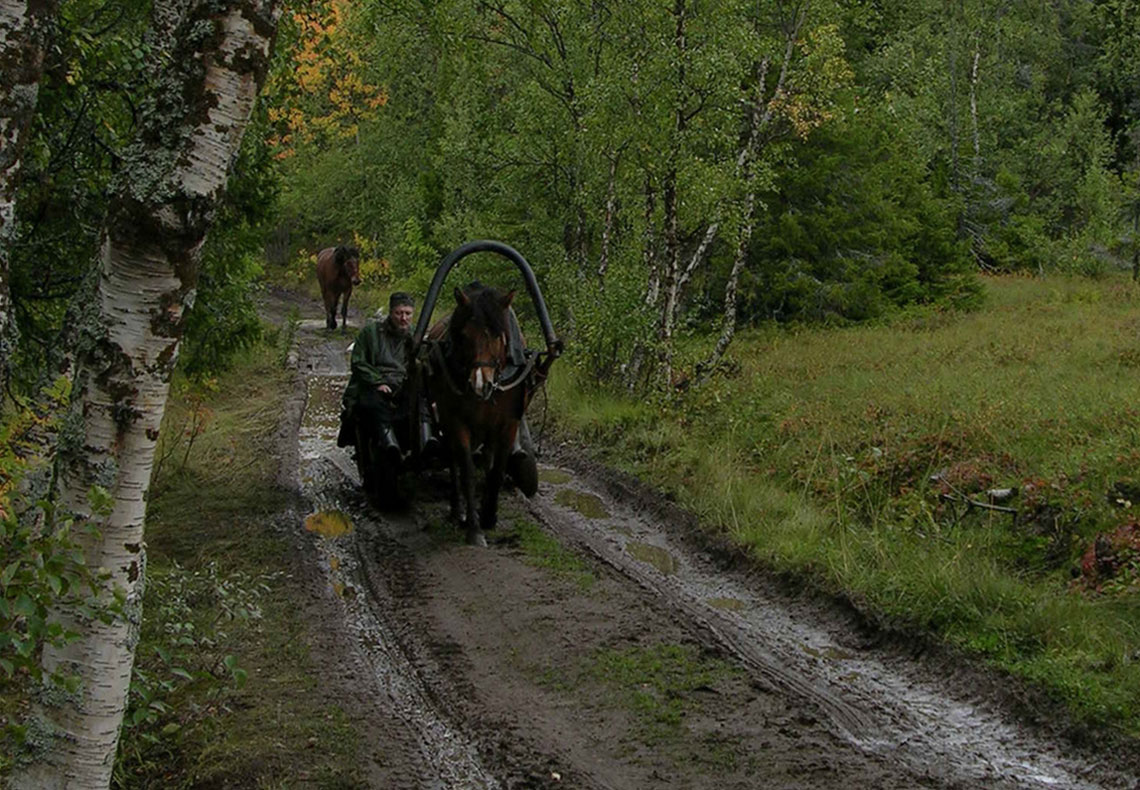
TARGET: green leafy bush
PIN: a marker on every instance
(41, 568)
(184, 669)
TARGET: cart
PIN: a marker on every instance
(422, 445)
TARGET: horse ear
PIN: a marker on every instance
(510, 297)
(462, 298)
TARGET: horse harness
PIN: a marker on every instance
(438, 363)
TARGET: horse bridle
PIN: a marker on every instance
(440, 361)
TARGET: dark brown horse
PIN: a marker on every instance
(338, 269)
(475, 407)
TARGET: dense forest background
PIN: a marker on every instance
(691, 165)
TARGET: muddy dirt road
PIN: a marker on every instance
(597, 643)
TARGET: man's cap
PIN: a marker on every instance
(400, 298)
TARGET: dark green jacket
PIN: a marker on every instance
(379, 356)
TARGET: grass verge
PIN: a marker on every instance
(861, 459)
(226, 693)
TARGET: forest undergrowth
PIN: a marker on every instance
(226, 692)
(967, 475)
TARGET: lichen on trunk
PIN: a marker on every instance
(212, 58)
(23, 37)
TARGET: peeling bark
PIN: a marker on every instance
(215, 57)
(23, 37)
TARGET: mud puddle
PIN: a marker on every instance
(880, 704)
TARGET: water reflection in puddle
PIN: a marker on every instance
(321, 420)
(656, 556)
(588, 505)
(555, 477)
(329, 523)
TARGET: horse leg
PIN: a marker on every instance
(489, 516)
(330, 306)
(467, 477)
(475, 536)
(453, 473)
(344, 310)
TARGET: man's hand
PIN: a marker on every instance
(384, 388)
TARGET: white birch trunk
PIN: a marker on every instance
(744, 158)
(149, 271)
(974, 108)
(649, 247)
(761, 117)
(23, 34)
(728, 326)
(608, 217)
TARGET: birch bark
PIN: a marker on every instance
(210, 60)
(672, 260)
(23, 37)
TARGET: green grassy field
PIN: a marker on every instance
(850, 456)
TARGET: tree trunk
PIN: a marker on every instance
(609, 216)
(761, 117)
(23, 39)
(974, 108)
(649, 254)
(672, 262)
(728, 326)
(212, 63)
(651, 262)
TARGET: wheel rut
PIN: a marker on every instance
(879, 702)
(618, 654)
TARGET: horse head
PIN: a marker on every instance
(478, 336)
(348, 262)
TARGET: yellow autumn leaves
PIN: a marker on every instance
(322, 92)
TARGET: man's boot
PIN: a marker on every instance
(429, 442)
(522, 465)
(346, 436)
(389, 447)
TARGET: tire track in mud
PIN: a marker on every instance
(882, 704)
(874, 702)
(424, 749)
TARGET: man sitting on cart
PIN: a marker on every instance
(374, 399)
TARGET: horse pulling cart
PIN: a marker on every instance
(470, 380)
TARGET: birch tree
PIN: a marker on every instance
(209, 59)
(23, 34)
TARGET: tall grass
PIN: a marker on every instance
(847, 455)
(213, 533)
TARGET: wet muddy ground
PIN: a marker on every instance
(598, 643)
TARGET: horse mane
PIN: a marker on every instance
(484, 310)
(344, 253)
